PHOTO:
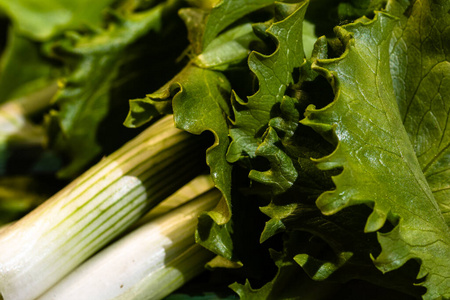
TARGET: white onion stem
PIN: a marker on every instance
(149, 263)
(44, 246)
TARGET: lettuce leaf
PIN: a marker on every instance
(380, 167)
(198, 98)
(368, 118)
(105, 69)
(274, 73)
(420, 68)
(372, 202)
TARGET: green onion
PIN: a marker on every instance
(149, 263)
(44, 246)
(189, 191)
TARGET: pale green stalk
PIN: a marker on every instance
(48, 243)
(195, 187)
(149, 263)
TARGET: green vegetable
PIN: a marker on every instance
(329, 125)
(380, 167)
(54, 16)
(174, 259)
(17, 132)
(425, 87)
(44, 246)
(103, 68)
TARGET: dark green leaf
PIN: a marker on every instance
(106, 69)
(274, 73)
(199, 99)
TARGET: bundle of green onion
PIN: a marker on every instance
(43, 247)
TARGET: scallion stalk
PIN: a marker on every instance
(195, 187)
(44, 246)
(149, 263)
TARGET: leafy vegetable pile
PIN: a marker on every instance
(324, 126)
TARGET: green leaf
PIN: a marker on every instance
(214, 237)
(309, 37)
(420, 67)
(326, 14)
(106, 69)
(282, 174)
(23, 67)
(336, 248)
(195, 21)
(288, 146)
(226, 13)
(347, 245)
(199, 99)
(227, 49)
(42, 20)
(274, 73)
(290, 282)
(247, 292)
(355, 9)
(202, 105)
(379, 164)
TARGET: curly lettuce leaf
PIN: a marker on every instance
(349, 247)
(345, 256)
(105, 70)
(202, 105)
(294, 209)
(287, 284)
(291, 282)
(199, 100)
(288, 146)
(420, 68)
(274, 73)
(380, 167)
